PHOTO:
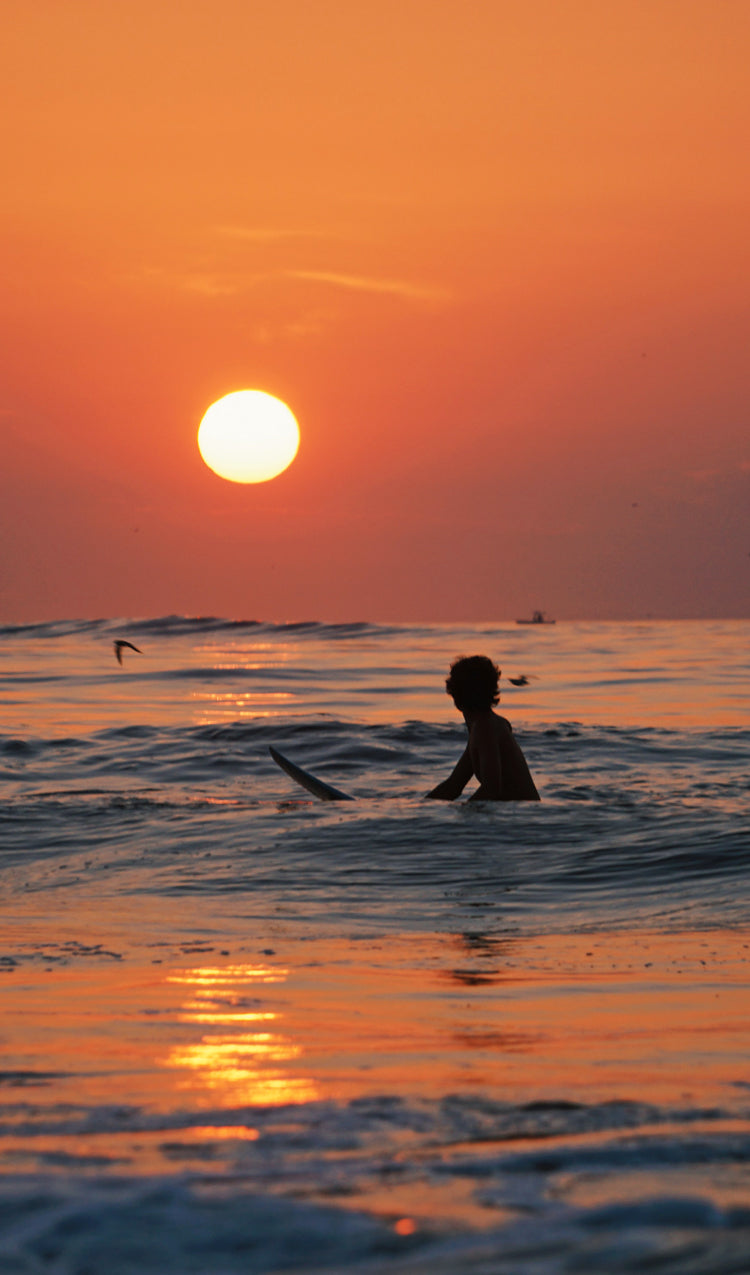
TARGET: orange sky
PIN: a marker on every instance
(494, 256)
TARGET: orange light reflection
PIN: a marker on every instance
(243, 1066)
(238, 1132)
(233, 974)
(236, 704)
(201, 1017)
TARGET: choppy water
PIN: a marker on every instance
(415, 1036)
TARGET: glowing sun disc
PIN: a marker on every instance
(248, 437)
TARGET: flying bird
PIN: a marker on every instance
(119, 644)
(523, 680)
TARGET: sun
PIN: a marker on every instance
(248, 437)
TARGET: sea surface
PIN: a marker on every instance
(247, 1031)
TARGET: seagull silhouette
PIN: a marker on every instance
(119, 644)
(523, 680)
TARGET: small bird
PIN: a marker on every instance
(523, 680)
(119, 644)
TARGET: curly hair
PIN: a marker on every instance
(473, 683)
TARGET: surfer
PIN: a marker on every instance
(492, 753)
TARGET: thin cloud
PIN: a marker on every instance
(226, 283)
(362, 283)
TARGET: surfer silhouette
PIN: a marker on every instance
(492, 753)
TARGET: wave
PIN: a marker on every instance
(185, 625)
(545, 1178)
(53, 628)
(645, 770)
(571, 741)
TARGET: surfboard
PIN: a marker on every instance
(317, 787)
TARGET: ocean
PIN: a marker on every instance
(248, 1031)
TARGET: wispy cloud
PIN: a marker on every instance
(364, 283)
(218, 283)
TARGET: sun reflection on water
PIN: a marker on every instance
(249, 1064)
(220, 706)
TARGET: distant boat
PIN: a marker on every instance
(537, 618)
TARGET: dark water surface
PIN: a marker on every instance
(248, 1031)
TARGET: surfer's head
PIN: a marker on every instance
(473, 683)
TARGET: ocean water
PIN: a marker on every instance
(247, 1031)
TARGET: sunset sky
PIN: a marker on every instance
(493, 255)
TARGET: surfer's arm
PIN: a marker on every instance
(459, 777)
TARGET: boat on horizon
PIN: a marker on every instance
(538, 617)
